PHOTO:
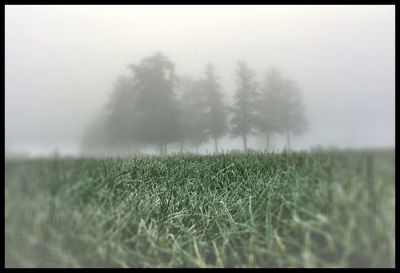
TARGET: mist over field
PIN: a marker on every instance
(62, 64)
(199, 136)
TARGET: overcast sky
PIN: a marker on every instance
(61, 63)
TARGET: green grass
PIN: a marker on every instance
(255, 210)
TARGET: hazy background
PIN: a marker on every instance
(61, 63)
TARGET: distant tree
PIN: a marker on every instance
(268, 105)
(95, 139)
(156, 119)
(216, 111)
(112, 129)
(193, 107)
(244, 117)
(292, 111)
(120, 113)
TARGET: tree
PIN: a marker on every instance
(156, 119)
(112, 129)
(244, 119)
(268, 105)
(292, 111)
(216, 112)
(95, 138)
(193, 106)
(120, 112)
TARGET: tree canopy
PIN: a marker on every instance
(216, 113)
(243, 121)
(156, 117)
(155, 107)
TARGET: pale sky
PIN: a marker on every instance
(61, 63)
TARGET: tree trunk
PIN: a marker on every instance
(245, 143)
(216, 145)
(288, 140)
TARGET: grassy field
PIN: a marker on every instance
(322, 209)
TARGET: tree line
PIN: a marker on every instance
(156, 107)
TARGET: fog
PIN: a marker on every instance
(61, 63)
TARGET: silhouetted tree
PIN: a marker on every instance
(292, 111)
(95, 140)
(193, 107)
(156, 119)
(120, 112)
(268, 105)
(216, 112)
(144, 109)
(244, 118)
(112, 129)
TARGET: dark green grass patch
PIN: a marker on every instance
(242, 210)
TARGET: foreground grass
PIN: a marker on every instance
(259, 210)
